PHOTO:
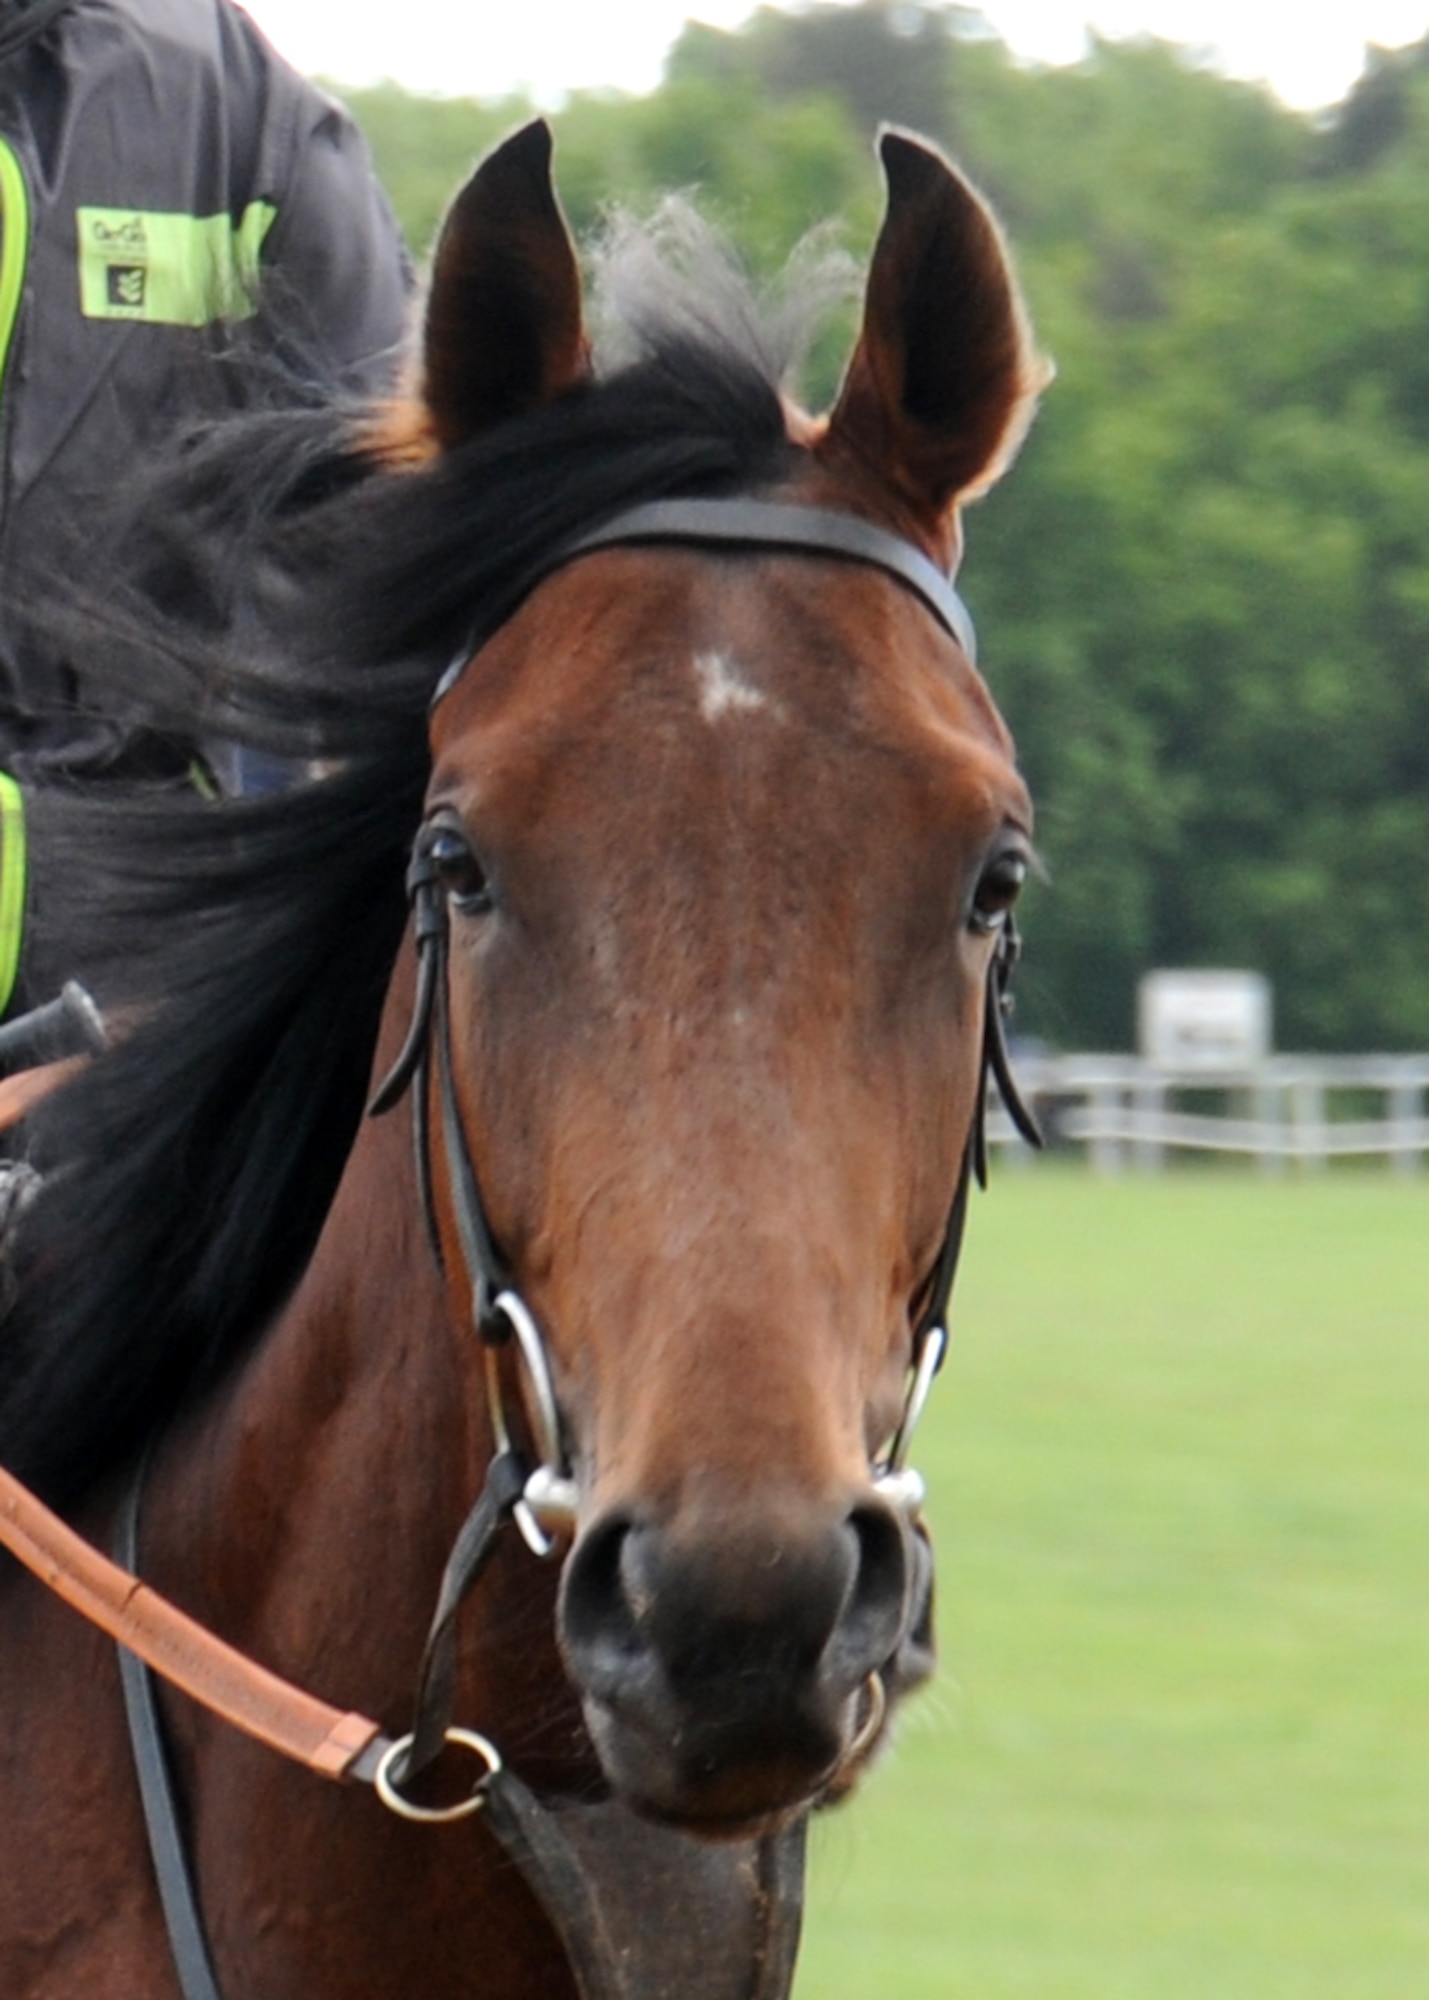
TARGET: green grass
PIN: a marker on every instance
(1179, 1745)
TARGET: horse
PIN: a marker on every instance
(657, 882)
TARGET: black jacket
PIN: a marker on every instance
(164, 178)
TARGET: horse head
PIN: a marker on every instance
(726, 840)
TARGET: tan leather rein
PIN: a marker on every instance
(184, 1652)
(175, 1646)
(19, 1094)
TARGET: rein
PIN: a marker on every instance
(585, 1864)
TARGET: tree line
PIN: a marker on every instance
(1204, 591)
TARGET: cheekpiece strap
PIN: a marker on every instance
(996, 1064)
(429, 1041)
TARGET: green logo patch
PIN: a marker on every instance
(167, 269)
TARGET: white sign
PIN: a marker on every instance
(1204, 1021)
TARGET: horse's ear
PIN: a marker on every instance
(944, 377)
(503, 332)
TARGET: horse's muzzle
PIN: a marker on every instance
(728, 1662)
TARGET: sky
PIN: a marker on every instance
(1309, 51)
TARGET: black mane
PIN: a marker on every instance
(189, 1172)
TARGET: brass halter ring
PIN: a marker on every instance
(384, 1780)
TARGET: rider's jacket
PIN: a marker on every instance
(168, 185)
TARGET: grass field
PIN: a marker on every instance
(1179, 1746)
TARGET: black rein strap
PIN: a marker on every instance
(168, 1849)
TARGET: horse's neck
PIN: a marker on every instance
(313, 1505)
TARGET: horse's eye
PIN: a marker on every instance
(998, 890)
(459, 872)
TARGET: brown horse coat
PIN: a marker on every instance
(730, 839)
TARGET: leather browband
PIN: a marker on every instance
(763, 524)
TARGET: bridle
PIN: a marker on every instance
(546, 1506)
(533, 1486)
(538, 1488)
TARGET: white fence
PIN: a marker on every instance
(1287, 1110)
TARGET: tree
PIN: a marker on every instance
(1205, 589)
(886, 61)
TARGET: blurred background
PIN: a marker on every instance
(1179, 1749)
(1205, 593)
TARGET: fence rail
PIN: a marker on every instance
(1299, 1111)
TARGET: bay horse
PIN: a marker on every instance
(677, 931)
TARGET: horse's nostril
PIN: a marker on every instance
(822, 1606)
(763, 1603)
(723, 1653)
(597, 1617)
(873, 1618)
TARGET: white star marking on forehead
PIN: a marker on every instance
(723, 688)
